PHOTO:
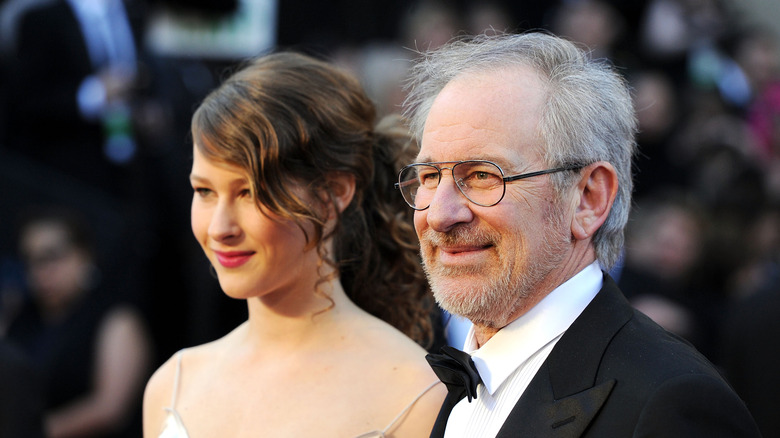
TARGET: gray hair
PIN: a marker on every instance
(588, 115)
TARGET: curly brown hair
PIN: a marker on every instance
(291, 120)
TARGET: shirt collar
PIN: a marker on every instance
(511, 346)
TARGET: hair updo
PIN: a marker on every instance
(292, 121)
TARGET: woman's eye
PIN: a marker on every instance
(202, 192)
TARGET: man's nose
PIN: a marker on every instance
(449, 206)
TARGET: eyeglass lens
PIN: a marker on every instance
(479, 181)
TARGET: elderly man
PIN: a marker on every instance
(522, 189)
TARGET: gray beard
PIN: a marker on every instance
(496, 300)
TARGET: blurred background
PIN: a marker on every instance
(101, 280)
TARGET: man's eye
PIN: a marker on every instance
(428, 179)
(482, 179)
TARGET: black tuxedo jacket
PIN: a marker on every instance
(615, 373)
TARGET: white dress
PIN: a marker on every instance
(173, 427)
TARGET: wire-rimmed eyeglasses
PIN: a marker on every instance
(481, 182)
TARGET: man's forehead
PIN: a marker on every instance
(485, 115)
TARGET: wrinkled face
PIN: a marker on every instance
(253, 252)
(483, 262)
(57, 272)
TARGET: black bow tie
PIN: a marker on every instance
(456, 370)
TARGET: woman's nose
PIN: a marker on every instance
(224, 222)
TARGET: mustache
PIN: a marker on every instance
(461, 235)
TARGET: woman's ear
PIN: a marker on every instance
(597, 191)
(342, 188)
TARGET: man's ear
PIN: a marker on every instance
(342, 188)
(597, 191)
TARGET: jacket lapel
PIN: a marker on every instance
(541, 416)
(564, 396)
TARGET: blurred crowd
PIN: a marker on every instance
(95, 103)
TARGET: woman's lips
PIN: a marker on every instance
(233, 259)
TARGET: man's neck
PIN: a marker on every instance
(483, 332)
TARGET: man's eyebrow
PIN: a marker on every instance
(502, 162)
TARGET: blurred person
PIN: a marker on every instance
(727, 180)
(682, 38)
(72, 79)
(593, 23)
(294, 207)
(602, 27)
(758, 53)
(77, 121)
(657, 163)
(521, 191)
(671, 28)
(713, 147)
(665, 239)
(759, 269)
(749, 354)
(732, 189)
(93, 352)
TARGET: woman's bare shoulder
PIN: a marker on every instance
(193, 357)
(388, 350)
(386, 342)
(183, 369)
(161, 387)
(391, 367)
(157, 396)
(416, 393)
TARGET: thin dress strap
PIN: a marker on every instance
(173, 427)
(382, 433)
(409, 406)
(176, 379)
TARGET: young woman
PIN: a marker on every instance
(295, 208)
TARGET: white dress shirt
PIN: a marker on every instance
(511, 358)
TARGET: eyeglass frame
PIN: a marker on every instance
(504, 179)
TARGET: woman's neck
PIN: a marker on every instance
(288, 320)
